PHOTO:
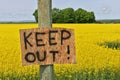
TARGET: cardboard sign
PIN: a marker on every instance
(45, 46)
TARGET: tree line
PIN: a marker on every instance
(69, 15)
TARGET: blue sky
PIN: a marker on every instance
(20, 10)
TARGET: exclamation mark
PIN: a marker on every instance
(68, 51)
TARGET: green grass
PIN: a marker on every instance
(112, 44)
(18, 77)
(86, 74)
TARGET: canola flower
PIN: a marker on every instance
(88, 53)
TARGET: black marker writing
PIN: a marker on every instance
(38, 56)
(54, 53)
(27, 57)
(39, 40)
(62, 35)
(52, 38)
(26, 39)
(68, 51)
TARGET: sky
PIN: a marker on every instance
(22, 10)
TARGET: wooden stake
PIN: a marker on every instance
(45, 20)
(45, 13)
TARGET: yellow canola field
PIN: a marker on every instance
(88, 53)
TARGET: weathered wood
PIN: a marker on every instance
(45, 20)
(45, 13)
(44, 46)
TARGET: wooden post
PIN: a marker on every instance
(45, 13)
(45, 20)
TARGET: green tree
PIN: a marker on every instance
(60, 18)
(92, 17)
(68, 15)
(57, 15)
(35, 14)
(82, 16)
